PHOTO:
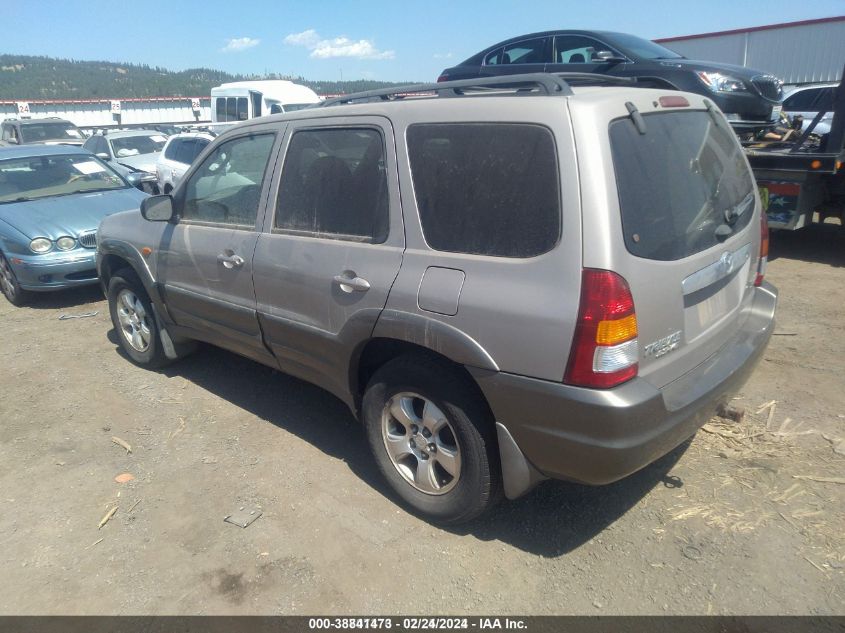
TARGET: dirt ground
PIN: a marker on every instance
(737, 521)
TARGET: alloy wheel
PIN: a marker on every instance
(420, 443)
(134, 320)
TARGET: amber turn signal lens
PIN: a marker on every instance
(617, 331)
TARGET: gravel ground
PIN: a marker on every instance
(736, 521)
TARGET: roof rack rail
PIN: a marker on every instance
(550, 84)
(522, 84)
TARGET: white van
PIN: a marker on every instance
(242, 100)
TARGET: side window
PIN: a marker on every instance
(226, 187)
(334, 184)
(220, 108)
(493, 58)
(578, 49)
(231, 109)
(810, 100)
(172, 149)
(185, 154)
(486, 188)
(527, 52)
(199, 145)
(88, 144)
(243, 112)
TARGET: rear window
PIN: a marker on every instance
(678, 183)
(486, 188)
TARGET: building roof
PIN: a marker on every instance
(751, 29)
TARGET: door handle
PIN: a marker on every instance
(230, 261)
(350, 282)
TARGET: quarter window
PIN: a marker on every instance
(486, 189)
(226, 187)
(185, 153)
(334, 185)
(172, 149)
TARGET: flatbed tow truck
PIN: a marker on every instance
(798, 178)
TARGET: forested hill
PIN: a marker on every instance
(24, 77)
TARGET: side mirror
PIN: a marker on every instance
(134, 178)
(158, 208)
(102, 156)
(608, 57)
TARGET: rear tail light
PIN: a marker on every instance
(443, 77)
(604, 349)
(764, 249)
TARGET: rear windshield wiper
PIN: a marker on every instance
(732, 214)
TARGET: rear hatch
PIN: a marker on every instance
(690, 224)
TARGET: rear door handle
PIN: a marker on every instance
(230, 260)
(351, 282)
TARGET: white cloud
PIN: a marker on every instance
(308, 39)
(448, 55)
(336, 47)
(238, 44)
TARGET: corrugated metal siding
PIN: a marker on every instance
(802, 54)
(726, 49)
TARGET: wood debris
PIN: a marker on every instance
(122, 443)
(827, 480)
(107, 518)
(763, 407)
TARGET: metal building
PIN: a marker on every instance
(810, 51)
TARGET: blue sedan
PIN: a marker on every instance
(52, 198)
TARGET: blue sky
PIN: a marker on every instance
(327, 40)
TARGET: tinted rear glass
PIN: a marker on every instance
(486, 188)
(679, 182)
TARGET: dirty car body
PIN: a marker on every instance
(487, 330)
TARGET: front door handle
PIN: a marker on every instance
(230, 260)
(350, 282)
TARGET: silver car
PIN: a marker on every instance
(505, 279)
(134, 150)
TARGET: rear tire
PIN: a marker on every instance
(9, 285)
(433, 438)
(134, 320)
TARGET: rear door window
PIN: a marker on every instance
(536, 51)
(334, 185)
(486, 188)
(679, 182)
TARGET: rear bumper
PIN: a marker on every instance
(600, 436)
(54, 271)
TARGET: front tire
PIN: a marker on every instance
(9, 285)
(433, 438)
(134, 320)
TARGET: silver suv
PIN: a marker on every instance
(505, 279)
